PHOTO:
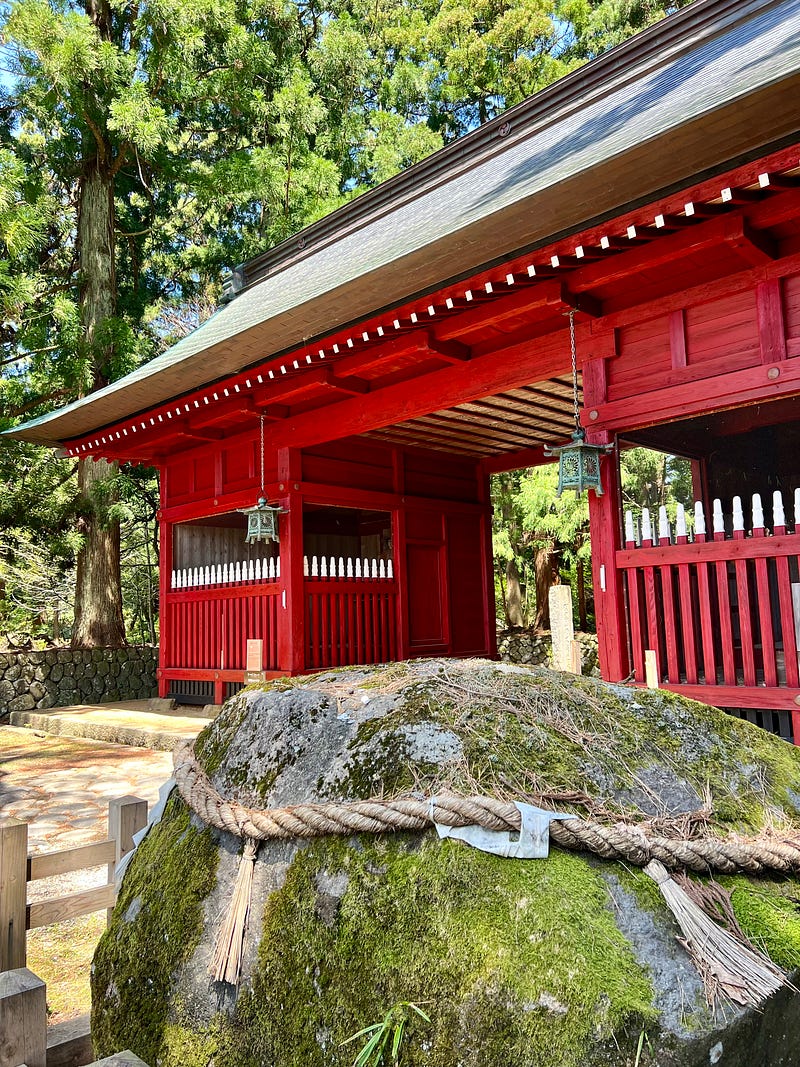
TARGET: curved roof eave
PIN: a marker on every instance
(734, 87)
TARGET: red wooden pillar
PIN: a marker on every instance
(291, 609)
(166, 637)
(609, 594)
(399, 553)
(487, 564)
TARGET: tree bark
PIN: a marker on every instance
(98, 595)
(98, 600)
(515, 611)
(545, 564)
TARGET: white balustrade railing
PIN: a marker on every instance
(236, 572)
(643, 529)
(239, 572)
(350, 569)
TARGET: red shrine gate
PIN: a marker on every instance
(385, 548)
(656, 194)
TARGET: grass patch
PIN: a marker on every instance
(61, 955)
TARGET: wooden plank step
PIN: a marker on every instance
(69, 1044)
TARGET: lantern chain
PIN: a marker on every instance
(573, 352)
(262, 454)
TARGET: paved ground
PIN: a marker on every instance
(61, 786)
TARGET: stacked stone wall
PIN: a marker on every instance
(60, 677)
(536, 648)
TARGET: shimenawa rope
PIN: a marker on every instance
(620, 841)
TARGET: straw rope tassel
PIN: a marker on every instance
(725, 963)
(227, 963)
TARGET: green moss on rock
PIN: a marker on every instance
(768, 911)
(518, 964)
(515, 963)
(156, 925)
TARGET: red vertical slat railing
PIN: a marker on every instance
(700, 603)
(350, 613)
(207, 627)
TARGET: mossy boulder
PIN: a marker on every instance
(569, 961)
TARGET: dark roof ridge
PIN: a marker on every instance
(545, 107)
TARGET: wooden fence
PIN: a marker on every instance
(27, 1041)
(719, 612)
(25, 1038)
(126, 816)
(351, 611)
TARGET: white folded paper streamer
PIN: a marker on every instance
(530, 842)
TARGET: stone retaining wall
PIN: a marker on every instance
(528, 646)
(60, 677)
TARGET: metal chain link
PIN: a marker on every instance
(574, 354)
(262, 454)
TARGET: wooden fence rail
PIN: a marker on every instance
(126, 816)
(27, 1041)
(720, 613)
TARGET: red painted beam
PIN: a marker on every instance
(739, 696)
(746, 548)
(514, 461)
(731, 228)
(696, 397)
(505, 368)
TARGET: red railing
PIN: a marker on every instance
(350, 619)
(207, 628)
(717, 612)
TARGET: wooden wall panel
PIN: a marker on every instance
(440, 476)
(205, 546)
(424, 525)
(204, 470)
(724, 331)
(349, 463)
(702, 341)
(791, 305)
(467, 609)
(180, 481)
(240, 467)
(644, 354)
(426, 631)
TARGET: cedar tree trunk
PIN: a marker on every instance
(98, 596)
(545, 565)
(515, 614)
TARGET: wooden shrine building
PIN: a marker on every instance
(384, 362)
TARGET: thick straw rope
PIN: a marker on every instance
(621, 841)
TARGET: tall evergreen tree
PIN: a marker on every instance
(145, 146)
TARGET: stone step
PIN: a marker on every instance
(118, 724)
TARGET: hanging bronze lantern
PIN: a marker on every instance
(262, 520)
(578, 462)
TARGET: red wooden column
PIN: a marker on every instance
(604, 521)
(166, 615)
(399, 553)
(487, 564)
(609, 595)
(291, 609)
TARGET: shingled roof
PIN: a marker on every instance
(710, 86)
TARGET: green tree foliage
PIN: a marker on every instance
(539, 539)
(651, 479)
(145, 147)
